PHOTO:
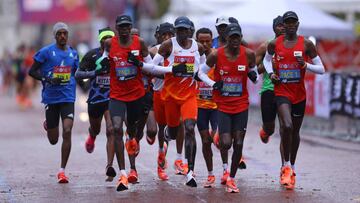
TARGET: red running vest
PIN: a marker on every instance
(291, 74)
(126, 82)
(233, 97)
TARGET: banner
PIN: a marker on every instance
(337, 97)
(322, 95)
(51, 11)
(356, 97)
(310, 90)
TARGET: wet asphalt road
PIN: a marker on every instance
(327, 170)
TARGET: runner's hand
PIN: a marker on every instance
(300, 61)
(252, 76)
(102, 65)
(179, 69)
(196, 77)
(274, 78)
(133, 60)
(53, 81)
(218, 85)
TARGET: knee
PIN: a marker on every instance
(225, 144)
(287, 127)
(109, 131)
(206, 141)
(66, 132)
(118, 131)
(238, 144)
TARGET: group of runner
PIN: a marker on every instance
(174, 86)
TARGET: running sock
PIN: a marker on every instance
(210, 173)
(123, 172)
(178, 156)
(225, 166)
(185, 161)
(287, 163)
(61, 170)
(161, 149)
(293, 167)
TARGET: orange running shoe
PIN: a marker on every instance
(231, 186)
(133, 176)
(131, 146)
(62, 178)
(178, 166)
(216, 140)
(162, 174)
(162, 160)
(264, 136)
(122, 184)
(291, 186)
(286, 173)
(225, 177)
(210, 182)
(242, 164)
(90, 144)
(185, 169)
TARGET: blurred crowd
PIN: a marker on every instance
(14, 78)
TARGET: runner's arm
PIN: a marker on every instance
(85, 65)
(253, 74)
(205, 68)
(35, 70)
(270, 51)
(317, 66)
(260, 53)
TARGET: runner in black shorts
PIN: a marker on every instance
(98, 100)
(268, 105)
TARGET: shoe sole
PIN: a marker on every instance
(231, 190)
(63, 181)
(121, 187)
(111, 172)
(164, 179)
(192, 183)
(211, 185)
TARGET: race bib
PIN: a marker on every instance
(63, 72)
(290, 75)
(126, 72)
(232, 87)
(103, 80)
(189, 62)
(205, 91)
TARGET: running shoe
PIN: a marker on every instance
(264, 136)
(231, 186)
(110, 173)
(90, 144)
(225, 177)
(150, 140)
(216, 140)
(132, 146)
(62, 177)
(162, 174)
(122, 184)
(162, 160)
(286, 173)
(291, 186)
(210, 182)
(185, 169)
(45, 125)
(190, 181)
(242, 164)
(133, 176)
(178, 166)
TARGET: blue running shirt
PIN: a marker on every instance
(58, 63)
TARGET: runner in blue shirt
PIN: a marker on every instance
(98, 100)
(55, 66)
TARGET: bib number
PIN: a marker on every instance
(62, 72)
(126, 73)
(290, 75)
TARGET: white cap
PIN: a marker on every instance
(222, 20)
